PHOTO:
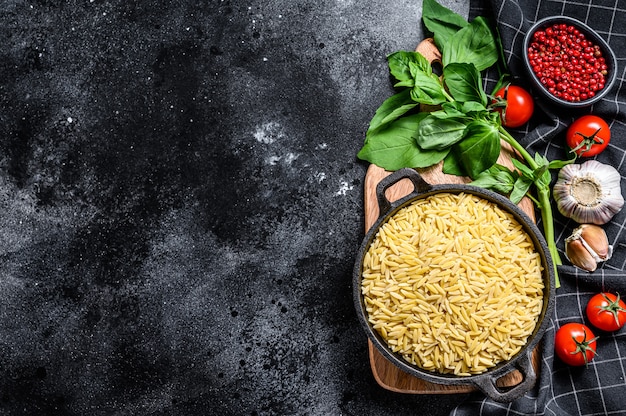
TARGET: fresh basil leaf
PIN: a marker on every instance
(428, 89)
(420, 64)
(520, 188)
(544, 178)
(474, 43)
(441, 21)
(498, 178)
(452, 164)
(392, 108)
(438, 134)
(409, 83)
(442, 114)
(524, 170)
(542, 173)
(403, 64)
(426, 158)
(399, 65)
(464, 82)
(555, 164)
(541, 160)
(450, 110)
(473, 107)
(480, 148)
(558, 164)
(394, 147)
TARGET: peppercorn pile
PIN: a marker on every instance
(597, 388)
(568, 64)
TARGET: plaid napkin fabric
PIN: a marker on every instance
(599, 388)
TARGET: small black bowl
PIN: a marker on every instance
(590, 34)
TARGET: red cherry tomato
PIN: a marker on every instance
(606, 311)
(588, 136)
(519, 106)
(575, 344)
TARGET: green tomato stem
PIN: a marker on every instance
(542, 202)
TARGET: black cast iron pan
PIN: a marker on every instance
(522, 361)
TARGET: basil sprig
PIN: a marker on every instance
(464, 129)
(461, 126)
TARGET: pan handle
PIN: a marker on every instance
(419, 185)
(508, 394)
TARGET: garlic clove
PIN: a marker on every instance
(579, 256)
(596, 239)
(587, 246)
(588, 192)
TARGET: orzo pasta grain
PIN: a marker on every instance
(453, 284)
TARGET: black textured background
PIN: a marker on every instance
(180, 205)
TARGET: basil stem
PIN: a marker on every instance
(542, 201)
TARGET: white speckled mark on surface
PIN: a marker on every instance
(268, 132)
(344, 187)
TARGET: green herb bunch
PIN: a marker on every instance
(465, 129)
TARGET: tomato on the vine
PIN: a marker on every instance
(519, 105)
(588, 135)
(575, 344)
(606, 311)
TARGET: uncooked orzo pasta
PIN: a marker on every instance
(453, 283)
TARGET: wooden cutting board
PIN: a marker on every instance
(387, 374)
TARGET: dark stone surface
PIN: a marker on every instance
(181, 205)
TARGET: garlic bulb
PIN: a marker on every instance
(589, 193)
(587, 246)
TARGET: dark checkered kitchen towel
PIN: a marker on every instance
(600, 388)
